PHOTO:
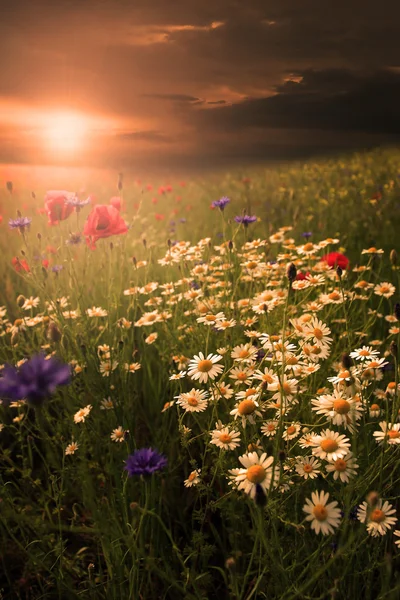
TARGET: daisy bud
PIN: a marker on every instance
(346, 361)
(393, 257)
(53, 333)
(372, 499)
(291, 272)
(252, 448)
(397, 311)
(20, 300)
(230, 563)
(393, 349)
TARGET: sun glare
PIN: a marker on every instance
(66, 132)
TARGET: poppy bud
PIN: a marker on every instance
(291, 272)
(339, 271)
(53, 333)
(9, 186)
(21, 300)
(393, 257)
(346, 361)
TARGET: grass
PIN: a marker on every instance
(76, 525)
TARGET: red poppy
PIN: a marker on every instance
(335, 259)
(56, 207)
(159, 217)
(300, 275)
(20, 264)
(45, 263)
(1, 218)
(154, 200)
(51, 249)
(103, 221)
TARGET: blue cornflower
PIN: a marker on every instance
(35, 380)
(57, 268)
(221, 203)
(307, 234)
(20, 223)
(145, 461)
(245, 219)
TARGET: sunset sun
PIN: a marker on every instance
(66, 132)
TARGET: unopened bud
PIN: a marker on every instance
(282, 455)
(111, 245)
(346, 361)
(230, 245)
(393, 257)
(397, 311)
(33, 195)
(393, 349)
(134, 261)
(291, 272)
(21, 300)
(339, 272)
(230, 563)
(261, 497)
(9, 186)
(144, 242)
(39, 236)
(53, 333)
(373, 499)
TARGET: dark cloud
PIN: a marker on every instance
(173, 97)
(145, 136)
(333, 99)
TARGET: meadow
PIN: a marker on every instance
(200, 384)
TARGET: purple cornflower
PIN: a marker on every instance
(77, 203)
(307, 234)
(36, 379)
(74, 238)
(57, 268)
(245, 219)
(145, 461)
(20, 223)
(221, 203)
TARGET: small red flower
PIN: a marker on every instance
(20, 264)
(159, 217)
(51, 249)
(154, 200)
(103, 221)
(45, 263)
(335, 259)
(56, 207)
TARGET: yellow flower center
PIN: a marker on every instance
(204, 366)
(329, 445)
(225, 438)
(372, 249)
(250, 392)
(318, 333)
(210, 318)
(344, 374)
(375, 407)
(340, 464)
(334, 296)
(252, 264)
(256, 474)
(246, 407)
(192, 476)
(271, 427)
(308, 247)
(307, 468)
(377, 516)
(320, 512)
(192, 401)
(244, 354)
(241, 376)
(393, 434)
(341, 406)
(291, 430)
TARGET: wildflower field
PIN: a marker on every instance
(199, 385)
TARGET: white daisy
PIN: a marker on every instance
(379, 519)
(225, 438)
(193, 401)
(257, 471)
(344, 468)
(324, 517)
(202, 368)
(308, 467)
(330, 445)
(390, 433)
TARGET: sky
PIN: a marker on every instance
(196, 82)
